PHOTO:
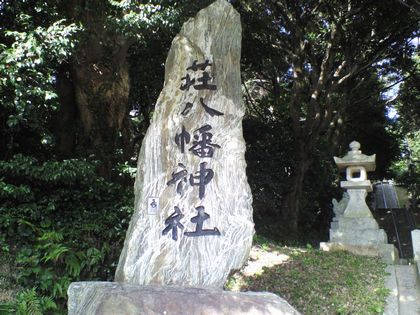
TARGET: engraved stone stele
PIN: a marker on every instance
(200, 233)
(192, 223)
(354, 228)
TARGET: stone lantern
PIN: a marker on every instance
(353, 227)
(357, 185)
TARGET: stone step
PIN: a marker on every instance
(391, 307)
(408, 290)
(398, 233)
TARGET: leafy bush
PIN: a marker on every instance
(28, 302)
(407, 168)
(62, 222)
(29, 57)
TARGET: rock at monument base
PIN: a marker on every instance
(111, 298)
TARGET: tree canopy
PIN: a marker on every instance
(79, 80)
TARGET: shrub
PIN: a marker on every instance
(62, 221)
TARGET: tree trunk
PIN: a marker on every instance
(65, 124)
(93, 115)
(101, 92)
(97, 88)
(291, 205)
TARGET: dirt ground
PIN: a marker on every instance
(8, 286)
(258, 259)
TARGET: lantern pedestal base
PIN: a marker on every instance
(360, 236)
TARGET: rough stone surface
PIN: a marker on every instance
(149, 257)
(415, 238)
(391, 307)
(408, 292)
(356, 207)
(361, 223)
(355, 158)
(356, 236)
(340, 206)
(111, 298)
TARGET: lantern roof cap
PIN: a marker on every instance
(355, 157)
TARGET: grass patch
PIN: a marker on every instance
(317, 282)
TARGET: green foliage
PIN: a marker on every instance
(365, 120)
(62, 221)
(407, 167)
(317, 66)
(28, 302)
(271, 159)
(132, 18)
(28, 66)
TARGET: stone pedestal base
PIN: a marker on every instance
(360, 236)
(110, 298)
(357, 231)
(387, 252)
(350, 224)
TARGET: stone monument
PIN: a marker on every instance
(353, 227)
(192, 223)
